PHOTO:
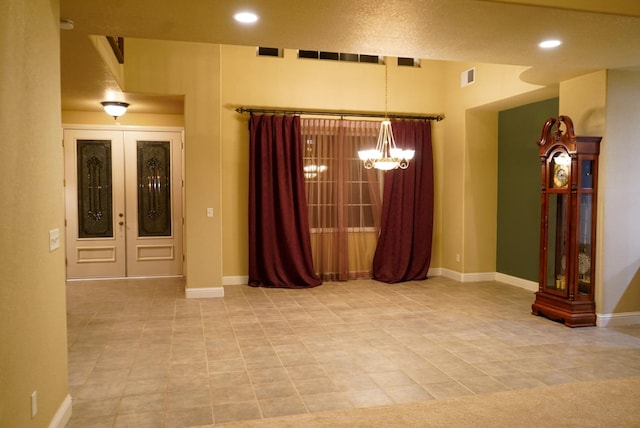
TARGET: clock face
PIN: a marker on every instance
(560, 175)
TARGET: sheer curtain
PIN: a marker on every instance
(279, 246)
(343, 198)
(404, 246)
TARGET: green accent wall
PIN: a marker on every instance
(519, 188)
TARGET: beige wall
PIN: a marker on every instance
(465, 143)
(584, 100)
(481, 191)
(33, 350)
(128, 119)
(620, 190)
(192, 70)
(217, 79)
(469, 176)
(607, 104)
(288, 82)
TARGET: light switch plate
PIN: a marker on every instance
(54, 239)
(209, 212)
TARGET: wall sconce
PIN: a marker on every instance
(115, 108)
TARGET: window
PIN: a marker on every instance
(408, 62)
(340, 56)
(341, 193)
(265, 51)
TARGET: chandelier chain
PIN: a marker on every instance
(386, 87)
(386, 156)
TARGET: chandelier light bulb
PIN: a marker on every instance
(386, 156)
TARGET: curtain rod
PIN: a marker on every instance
(436, 117)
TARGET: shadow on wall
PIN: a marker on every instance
(630, 299)
(593, 122)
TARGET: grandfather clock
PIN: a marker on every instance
(569, 165)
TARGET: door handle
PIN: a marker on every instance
(121, 223)
(120, 215)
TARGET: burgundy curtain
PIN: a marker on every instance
(403, 252)
(279, 243)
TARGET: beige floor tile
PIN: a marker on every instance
(137, 345)
(183, 399)
(282, 389)
(326, 402)
(234, 378)
(142, 403)
(145, 386)
(229, 394)
(407, 393)
(368, 397)
(391, 378)
(315, 385)
(94, 422)
(357, 382)
(450, 389)
(83, 409)
(268, 375)
(143, 419)
(238, 411)
(307, 371)
(483, 384)
(271, 408)
(180, 418)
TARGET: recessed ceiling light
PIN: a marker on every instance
(550, 44)
(246, 17)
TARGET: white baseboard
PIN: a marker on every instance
(434, 272)
(62, 416)
(617, 320)
(451, 274)
(518, 282)
(204, 293)
(467, 277)
(235, 280)
(478, 277)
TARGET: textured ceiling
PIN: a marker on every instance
(596, 34)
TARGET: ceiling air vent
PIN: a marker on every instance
(467, 77)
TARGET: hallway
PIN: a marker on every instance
(142, 355)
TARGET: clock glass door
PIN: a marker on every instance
(556, 241)
(585, 227)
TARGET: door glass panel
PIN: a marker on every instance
(557, 242)
(154, 188)
(584, 244)
(95, 201)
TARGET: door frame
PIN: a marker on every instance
(134, 128)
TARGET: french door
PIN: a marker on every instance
(123, 195)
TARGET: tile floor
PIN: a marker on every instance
(141, 355)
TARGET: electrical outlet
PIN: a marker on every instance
(34, 403)
(458, 258)
(54, 239)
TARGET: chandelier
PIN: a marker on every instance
(386, 155)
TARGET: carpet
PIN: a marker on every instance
(603, 403)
